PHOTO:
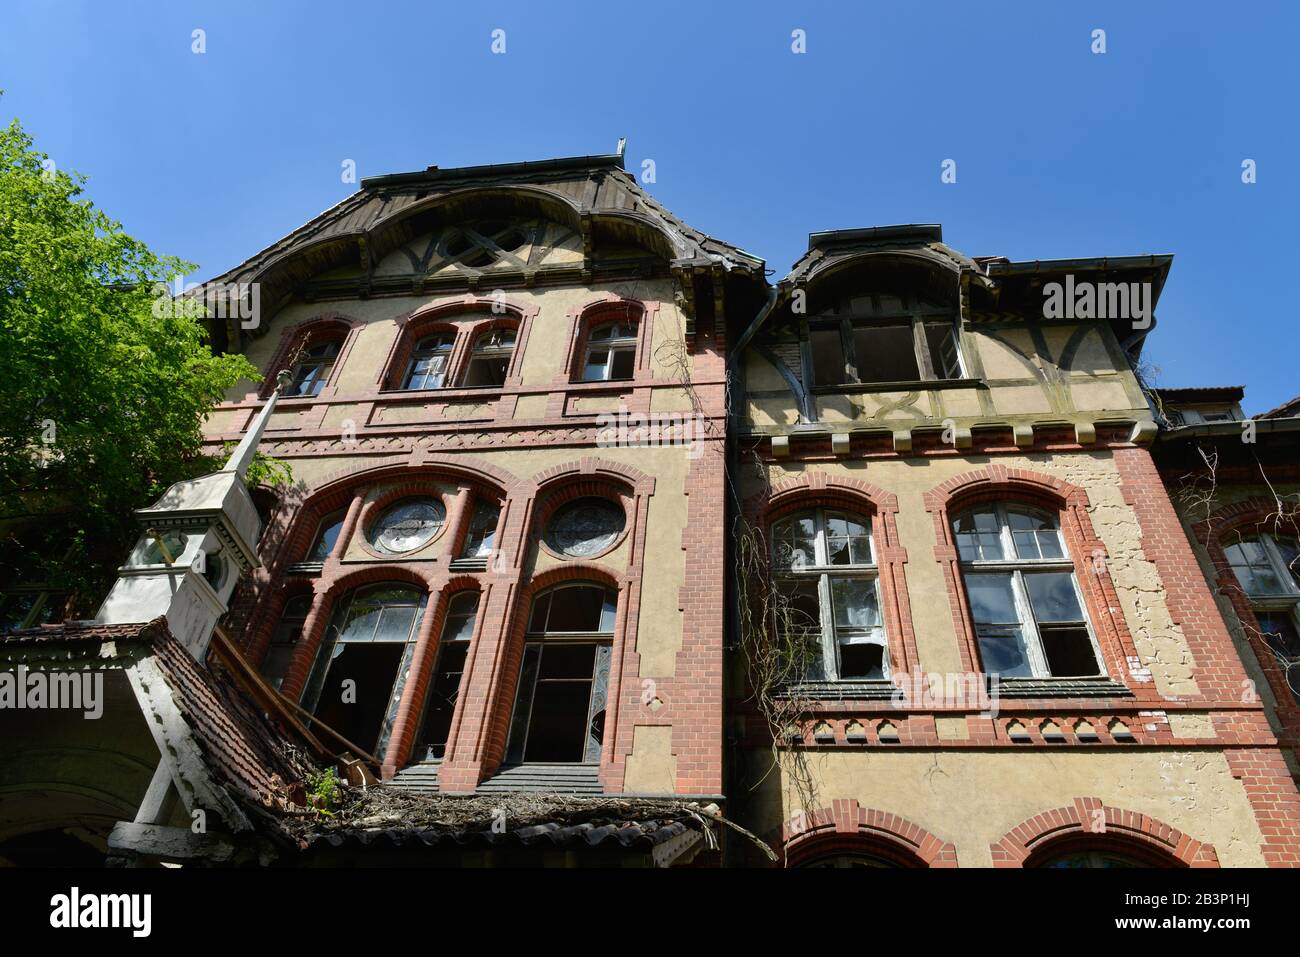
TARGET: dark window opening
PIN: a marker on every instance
(357, 691)
(862, 661)
(449, 668)
(884, 338)
(885, 354)
(563, 684)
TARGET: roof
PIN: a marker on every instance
(1288, 409)
(387, 211)
(1218, 393)
(832, 248)
(397, 818)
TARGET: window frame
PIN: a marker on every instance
(1015, 568)
(823, 571)
(447, 640)
(327, 652)
(913, 313)
(325, 367)
(1284, 603)
(627, 343)
(480, 352)
(418, 354)
(519, 729)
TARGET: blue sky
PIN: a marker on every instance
(1060, 152)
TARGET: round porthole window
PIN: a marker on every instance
(585, 527)
(408, 525)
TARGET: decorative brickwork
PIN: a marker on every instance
(1089, 825)
(847, 828)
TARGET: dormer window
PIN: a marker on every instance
(313, 368)
(875, 339)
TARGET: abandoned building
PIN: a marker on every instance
(603, 548)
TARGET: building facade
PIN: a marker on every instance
(874, 561)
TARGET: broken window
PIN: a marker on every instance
(482, 530)
(611, 352)
(1024, 598)
(490, 359)
(883, 339)
(363, 663)
(1267, 567)
(563, 681)
(428, 366)
(444, 690)
(828, 592)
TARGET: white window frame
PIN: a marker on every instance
(823, 571)
(487, 345)
(626, 343)
(1016, 568)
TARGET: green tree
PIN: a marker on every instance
(102, 393)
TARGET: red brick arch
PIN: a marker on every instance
(826, 490)
(848, 828)
(611, 306)
(326, 325)
(1088, 824)
(1069, 503)
(437, 316)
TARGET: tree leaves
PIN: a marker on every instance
(101, 394)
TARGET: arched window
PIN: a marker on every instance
(313, 368)
(428, 365)
(1025, 601)
(611, 352)
(457, 630)
(284, 641)
(828, 593)
(563, 682)
(1267, 567)
(327, 536)
(363, 662)
(490, 359)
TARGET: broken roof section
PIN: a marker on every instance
(223, 752)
